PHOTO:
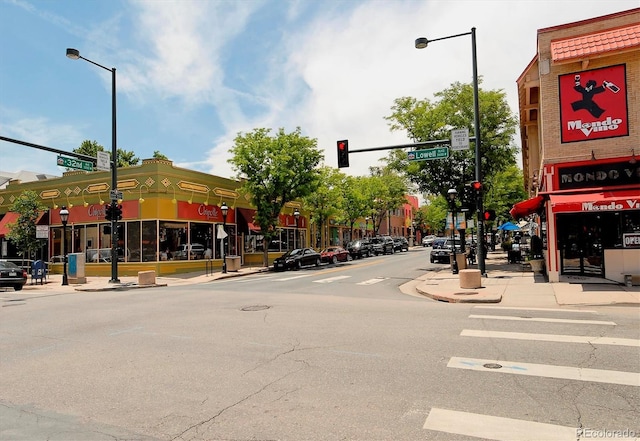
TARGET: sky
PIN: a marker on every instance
(193, 74)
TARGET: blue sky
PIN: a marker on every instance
(192, 74)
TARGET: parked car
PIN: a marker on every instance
(377, 246)
(335, 255)
(360, 248)
(12, 276)
(427, 241)
(296, 259)
(400, 244)
(442, 249)
(387, 244)
(192, 251)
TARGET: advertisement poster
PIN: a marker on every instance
(593, 104)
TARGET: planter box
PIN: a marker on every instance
(537, 265)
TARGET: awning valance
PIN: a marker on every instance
(616, 200)
(525, 208)
(9, 218)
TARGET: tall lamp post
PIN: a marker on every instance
(452, 193)
(64, 218)
(225, 209)
(296, 215)
(422, 43)
(74, 54)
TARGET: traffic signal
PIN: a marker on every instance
(108, 212)
(117, 214)
(343, 153)
(489, 215)
(477, 187)
(468, 199)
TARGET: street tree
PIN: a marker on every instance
(158, 155)
(275, 170)
(385, 192)
(23, 232)
(326, 201)
(354, 200)
(505, 189)
(91, 148)
(452, 108)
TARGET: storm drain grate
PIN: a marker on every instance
(255, 308)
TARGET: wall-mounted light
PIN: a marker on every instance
(633, 160)
(206, 201)
(69, 204)
(593, 156)
(101, 200)
(84, 201)
(191, 198)
(141, 199)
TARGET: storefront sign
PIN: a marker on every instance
(631, 240)
(598, 175)
(593, 104)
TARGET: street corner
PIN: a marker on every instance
(452, 293)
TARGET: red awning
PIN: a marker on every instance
(9, 218)
(615, 200)
(525, 208)
(253, 227)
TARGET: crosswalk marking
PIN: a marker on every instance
(552, 337)
(541, 319)
(495, 428)
(548, 371)
(331, 279)
(372, 281)
(534, 309)
(284, 279)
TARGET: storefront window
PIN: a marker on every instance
(133, 241)
(172, 238)
(149, 241)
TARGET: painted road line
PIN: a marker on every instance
(495, 428)
(284, 279)
(552, 337)
(534, 309)
(331, 279)
(547, 371)
(372, 281)
(542, 319)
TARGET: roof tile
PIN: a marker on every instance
(597, 43)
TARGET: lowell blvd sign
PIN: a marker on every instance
(423, 155)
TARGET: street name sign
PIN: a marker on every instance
(115, 195)
(104, 161)
(460, 139)
(423, 155)
(75, 163)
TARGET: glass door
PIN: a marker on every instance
(580, 244)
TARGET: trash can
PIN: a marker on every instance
(461, 258)
(233, 263)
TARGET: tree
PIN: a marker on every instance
(23, 232)
(505, 189)
(326, 200)
(275, 170)
(426, 120)
(158, 155)
(354, 201)
(91, 148)
(386, 191)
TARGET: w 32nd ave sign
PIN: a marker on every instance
(75, 163)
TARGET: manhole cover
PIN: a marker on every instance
(492, 365)
(255, 308)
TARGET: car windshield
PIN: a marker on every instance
(8, 265)
(330, 250)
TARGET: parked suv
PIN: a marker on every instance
(400, 244)
(385, 245)
(360, 248)
(442, 249)
(376, 245)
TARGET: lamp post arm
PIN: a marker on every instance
(454, 36)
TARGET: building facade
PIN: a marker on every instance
(579, 102)
(172, 221)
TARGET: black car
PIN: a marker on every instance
(385, 245)
(12, 276)
(377, 246)
(360, 248)
(400, 244)
(296, 259)
(442, 249)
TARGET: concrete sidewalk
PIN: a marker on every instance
(516, 285)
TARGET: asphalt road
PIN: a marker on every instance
(330, 353)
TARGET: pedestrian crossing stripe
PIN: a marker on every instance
(541, 319)
(284, 279)
(495, 428)
(552, 337)
(372, 281)
(331, 279)
(547, 371)
(516, 308)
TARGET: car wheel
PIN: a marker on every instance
(334, 260)
(349, 258)
(298, 264)
(318, 261)
(18, 287)
(432, 260)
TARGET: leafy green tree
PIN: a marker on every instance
(354, 201)
(385, 191)
(91, 148)
(275, 170)
(426, 120)
(23, 232)
(325, 201)
(158, 155)
(505, 189)
(435, 213)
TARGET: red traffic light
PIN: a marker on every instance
(343, 153)
(489, 215)
(476, 185)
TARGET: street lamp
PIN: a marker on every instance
(296, 215)
(64, 217)
(452, 193)
(224, 210)
(74, 54)
(422, 43)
